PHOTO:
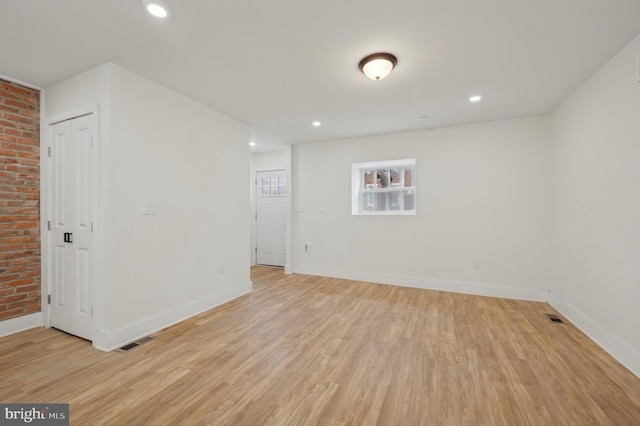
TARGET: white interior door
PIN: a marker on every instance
(271, 217)
(72, 179)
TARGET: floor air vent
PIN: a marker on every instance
(554, 318)
(135, 344)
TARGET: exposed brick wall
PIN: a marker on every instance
(19, 200)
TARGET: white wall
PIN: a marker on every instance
(194, 162)
(262, 161)
(482, 194)
(596, 230)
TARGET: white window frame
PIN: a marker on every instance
(357, 190)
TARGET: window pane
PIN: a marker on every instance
(396, 177)
(408, 178)
(382, 178)
(409, 200)
(282, 190)
(381, 202)
(367, 202)
(367, 180)
(394, 200)
(265, 191)
(282, 181)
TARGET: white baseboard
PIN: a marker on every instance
(479, 289)
(603, 337)
(25, 322)
(110, 340)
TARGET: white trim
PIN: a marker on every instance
(288, 264)
(25, 322)
(110, 340)
(480, 289)
(612, 344)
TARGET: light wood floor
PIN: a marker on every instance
(304, 350)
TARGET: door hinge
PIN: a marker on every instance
(256, 215)
(256, 250)
(48, 299)
(49, 225)
(92, 312)
(91, 142)
(49, 151)
(92, 227)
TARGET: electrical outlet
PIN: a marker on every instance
(306, 246)
(476, 264)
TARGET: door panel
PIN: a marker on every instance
(72, 208)
(271, 211)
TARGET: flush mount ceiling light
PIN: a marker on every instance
(316, 124)
(252, 143)
(475, 98)
(156, 8)
(378, 65)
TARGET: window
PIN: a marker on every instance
(273, 187)
(383, 188)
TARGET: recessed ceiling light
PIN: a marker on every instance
(475, 98)
(316, 123)
(252, 143)
(156, 8)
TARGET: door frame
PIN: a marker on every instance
(46, 194)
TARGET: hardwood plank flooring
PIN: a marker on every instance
(304, 350)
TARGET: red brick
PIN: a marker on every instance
(14, 298)
(15, 88)
(9, 277)
(25, 225)
(25, 303)
(28, 288)
(16, 283)
(5, 314)
(16, 240)
(14, 132)
(34, 273)
(21, 104)
(34, 155)
(7, 248)
(20, 279)
(6, 291)
(28, 141)
(27, 258)
(12, 218)
(33, 307)
(10, 109)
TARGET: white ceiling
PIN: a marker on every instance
(280, 64)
